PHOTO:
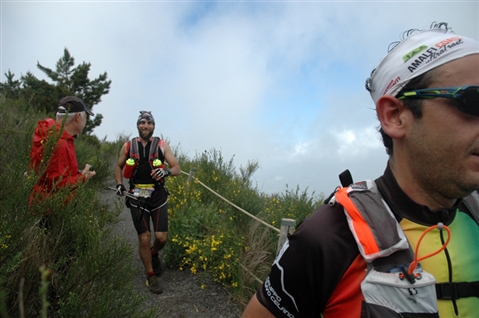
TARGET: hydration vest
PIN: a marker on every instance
(389, 290)
(156, 151)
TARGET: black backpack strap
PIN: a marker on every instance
(346, 178)
(328, 199)
(455, 290)
(452, 291)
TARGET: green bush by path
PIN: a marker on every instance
(85, 271)
(208, 234)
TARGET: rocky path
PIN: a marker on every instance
(183, 295)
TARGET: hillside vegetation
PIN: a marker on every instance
(73, 266)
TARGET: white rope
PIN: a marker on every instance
(254, 276)
(234, 205)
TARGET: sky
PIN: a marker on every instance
(276, 82)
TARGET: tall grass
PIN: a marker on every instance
(208, 234)
(66, 264)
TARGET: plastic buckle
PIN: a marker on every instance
(448, 291)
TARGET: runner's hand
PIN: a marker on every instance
(88, 171)
(120, 188)
(160, 173)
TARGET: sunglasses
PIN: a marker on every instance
(466, 97)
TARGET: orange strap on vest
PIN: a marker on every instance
(377, 233)
(361, 230)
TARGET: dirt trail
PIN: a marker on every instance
(183, 295)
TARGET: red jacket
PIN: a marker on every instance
(62, 168)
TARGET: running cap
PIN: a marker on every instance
(72, 104)
(416, 55)
(145, 115)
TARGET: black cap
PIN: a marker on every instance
(72, 104)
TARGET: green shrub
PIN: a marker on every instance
(203, 239)
(209, 234)
(80, 260)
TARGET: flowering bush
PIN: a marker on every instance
(209, 234)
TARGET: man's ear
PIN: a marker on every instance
(392, 116)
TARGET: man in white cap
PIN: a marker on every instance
(359, 255)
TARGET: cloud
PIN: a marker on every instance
(277, 82)
(357, 144)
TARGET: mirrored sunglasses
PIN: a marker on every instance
(466, 97)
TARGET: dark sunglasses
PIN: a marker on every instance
(466, 97)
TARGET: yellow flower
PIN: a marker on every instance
(203, 286)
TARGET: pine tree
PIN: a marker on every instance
(67, 79)
(11, 87)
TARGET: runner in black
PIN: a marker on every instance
(142, 160)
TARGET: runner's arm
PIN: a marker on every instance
(120, 164)
(171, 160)
(309, 267)
(255, 309)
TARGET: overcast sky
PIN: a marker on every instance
(278, 82)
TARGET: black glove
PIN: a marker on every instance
(161, 173)
(120, 188)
